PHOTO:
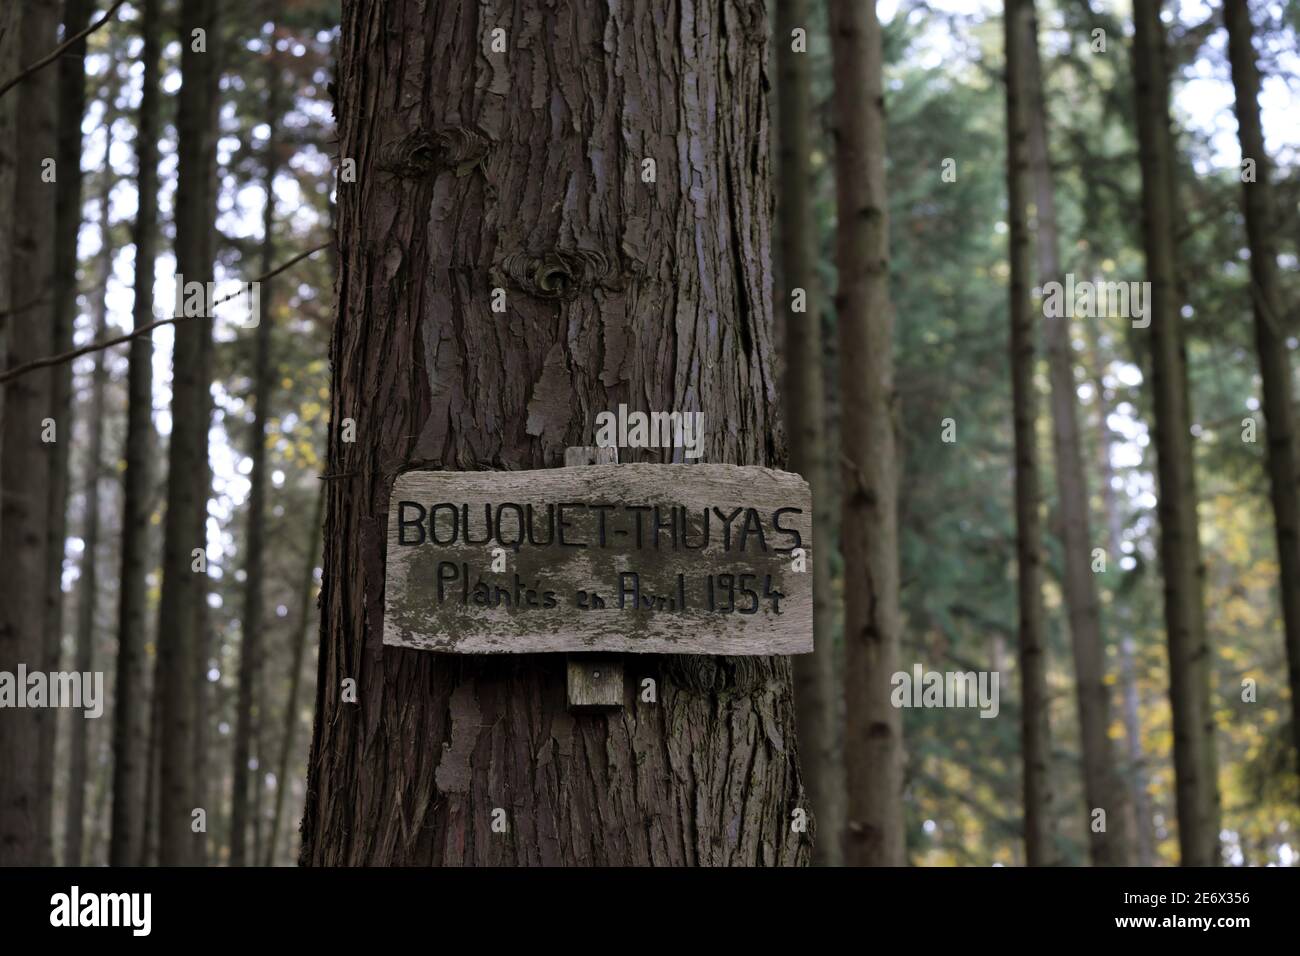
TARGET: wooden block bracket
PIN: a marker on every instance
(593, 682)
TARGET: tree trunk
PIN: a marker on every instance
(1140, 801)
(250, 655)
(256, 815)
(73, 838)
(816, 685)
(11, 61)
(26, 459)
(524, 170)
(67, 228)
(130, 735)
(1270, 340)
(1196, 786)
(153, 746)
(203, 794)
(187, 454)
(873, 732)
(206, 249)
(305, 619)
(1110, 845)
(1035, 730)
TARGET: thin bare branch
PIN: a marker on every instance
(59, 50)
(19, 370)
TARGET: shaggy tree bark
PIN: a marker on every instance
(627, 281)
(816, 683)
(1196, 785)
(1035, 729)
(1270, 340)
(1108, 845)
(10, 64)
(873, 727)
(26, 459)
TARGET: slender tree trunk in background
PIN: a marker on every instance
(73, 839)
(206, 249)
(1140, 801)
(203, 793)
(130, 732)
(101, 828)
(153, 747)
(1040, 847)
(1102, 788)
(26, 459)
(67, 227)
(187, 455)
(1270, 340)
(219, 812)
(873, 732)
(549, 197)
(305, 619)
(1196, 786)
(258, 778)
(250, 655)
(816, 692)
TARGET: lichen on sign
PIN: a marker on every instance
(682, 559)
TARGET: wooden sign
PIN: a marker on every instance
(657, 559)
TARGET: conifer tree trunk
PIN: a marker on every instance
(816, 683)
(73, 838)
(1035, 729)
(1108, 838)
(25, 458)
(1270, 340)
(524, 170)
(1139, 799)
(203, 794)
(1196, 786)
(187, 454)
(250, 654)
(305, 619)
(10, 64)
(67, 227)
(130, 717)
(873, 732)
(206, 245)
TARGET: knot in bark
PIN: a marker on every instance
(692, 672)
(462, 148)
(422, 153)
(413, 156)
(714, 675)
(557, 274)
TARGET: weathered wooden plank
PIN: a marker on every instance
(641, 558)
(592, 684)
(595, 684)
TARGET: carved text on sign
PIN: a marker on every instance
(705, 559)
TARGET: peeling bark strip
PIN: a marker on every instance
(701, 766)
(685, 559)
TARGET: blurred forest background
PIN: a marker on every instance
(253, 614)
